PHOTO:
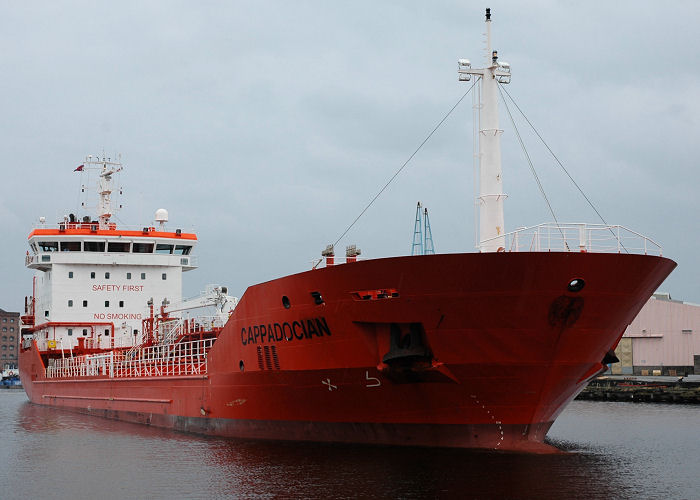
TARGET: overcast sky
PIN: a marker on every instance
(268, 126)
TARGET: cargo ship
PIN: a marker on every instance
(471, 350)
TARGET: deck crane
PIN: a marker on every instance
(422, 234)
(164, 328)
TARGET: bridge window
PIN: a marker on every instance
(48, 246)
(128, 276)
(70, 274)
(70, 246)
(164, 276)
(94, 246)
(70, 331)
(142, 248)
(164, 248)
(70, 303)
(182, 249)
(118, 246)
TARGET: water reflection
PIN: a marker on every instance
(74, 455)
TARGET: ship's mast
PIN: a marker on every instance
(491, 196)
(107, 168)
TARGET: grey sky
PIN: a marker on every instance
(268, 126)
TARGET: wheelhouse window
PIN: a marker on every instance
(71, 246)
(164, 248)
(94, 246)
(183, 249)
(142, 248)
(118, 246)
(48, 246)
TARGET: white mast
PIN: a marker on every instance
(104, 187)
(491, 196)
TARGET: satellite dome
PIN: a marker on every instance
(161, 215)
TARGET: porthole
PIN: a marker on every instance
(241, 366)
(576, 285)
(285, 302)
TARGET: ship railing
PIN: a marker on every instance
(182, 358)
(577, 237)
(63, 225)
(170, 331)
(203, 323)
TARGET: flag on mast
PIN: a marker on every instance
(79, 169)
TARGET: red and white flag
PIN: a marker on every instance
(79, 169)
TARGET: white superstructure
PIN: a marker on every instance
(93, 280)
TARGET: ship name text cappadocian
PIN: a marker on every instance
(277, 332)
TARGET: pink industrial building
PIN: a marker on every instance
(664, 339)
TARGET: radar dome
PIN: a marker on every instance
(161, 215)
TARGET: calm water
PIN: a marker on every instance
(616, 450)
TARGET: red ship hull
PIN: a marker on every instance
(461, 350)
